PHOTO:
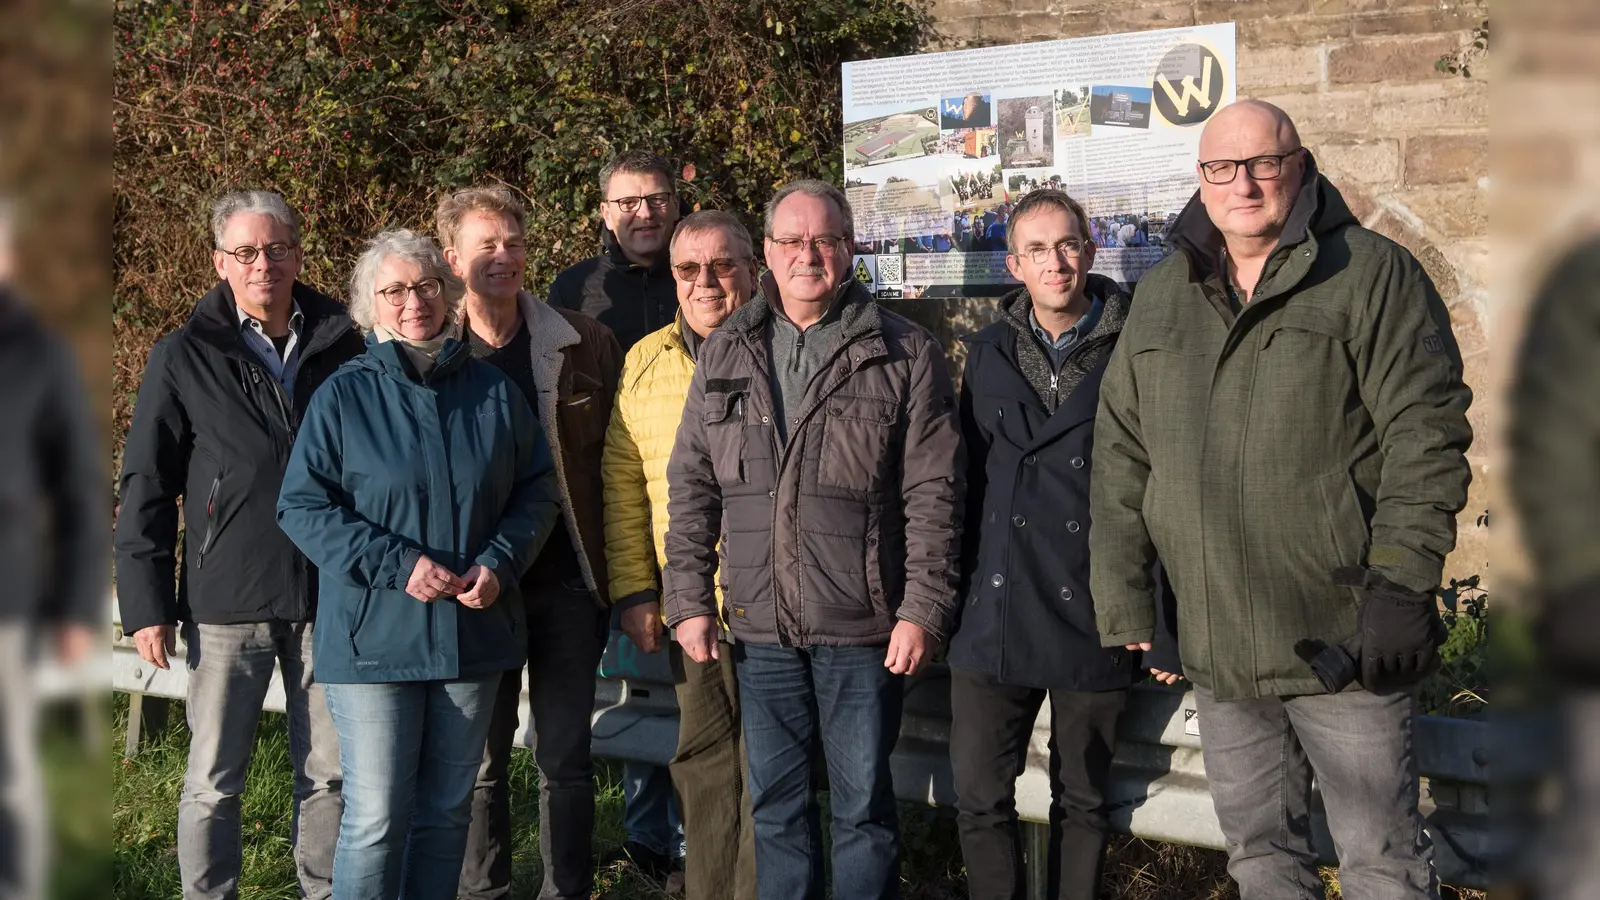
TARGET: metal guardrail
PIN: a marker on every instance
(1158, 789)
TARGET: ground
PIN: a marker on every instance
(145, 804)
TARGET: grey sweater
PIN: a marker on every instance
(798, 355)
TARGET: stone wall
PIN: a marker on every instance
(1406, 144)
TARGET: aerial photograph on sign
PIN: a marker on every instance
(905, 135)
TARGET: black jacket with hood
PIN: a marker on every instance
(212, 426)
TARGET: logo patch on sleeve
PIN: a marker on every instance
(1433, 343)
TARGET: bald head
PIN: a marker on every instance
(1248, 124)
(1252, 207)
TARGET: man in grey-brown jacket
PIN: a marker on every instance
(820, 444)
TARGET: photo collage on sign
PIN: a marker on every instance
(933, 180)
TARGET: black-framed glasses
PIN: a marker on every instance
(1072, 247)
(689, 272)
(658, 202)
(1265, 167)
(277, 252)
(825, 244)
(426, 289)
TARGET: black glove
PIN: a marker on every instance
(1399, 630)
(1334, 666)
(1398, 633)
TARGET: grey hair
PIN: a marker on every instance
(813, 187)
(266, 203)
(715, 220)
(410, 246)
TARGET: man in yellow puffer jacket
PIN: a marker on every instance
(713, 263)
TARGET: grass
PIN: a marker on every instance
(145, 813)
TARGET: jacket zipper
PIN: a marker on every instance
(211, 522)
(277, 396)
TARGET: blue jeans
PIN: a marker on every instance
(410, 755)
(785, 694)
(650, 809)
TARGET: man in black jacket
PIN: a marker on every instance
(629, 286)
(1028, 401)
(52, 536)
(216, 416)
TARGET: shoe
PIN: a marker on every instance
(655, 865)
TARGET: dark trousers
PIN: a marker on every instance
(787, 695)
(990, 725)
(708, 772)
(566, 635)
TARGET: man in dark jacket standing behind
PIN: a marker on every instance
(820, 444)
(1284, 423)
(629, 286)
(218, 407)
(1028, 399)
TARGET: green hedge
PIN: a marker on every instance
(360, 112)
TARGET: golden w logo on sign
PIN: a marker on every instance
(1190, 94)
(1189, 84)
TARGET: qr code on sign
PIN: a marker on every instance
(889, 270)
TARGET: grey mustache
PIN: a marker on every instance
(807, 270)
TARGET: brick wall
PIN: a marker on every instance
(1406, 144)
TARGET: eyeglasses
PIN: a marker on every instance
(247, 254)
(1072, 247)
(1262, 168)
(792, 245)
(426, 289)
(689, 272)
(658, 202)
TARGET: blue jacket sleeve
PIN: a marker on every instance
(534, 500)
(318, 514)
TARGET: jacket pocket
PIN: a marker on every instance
(359, 619)
(1347, 524)
(1306, 344)
(724, 421)
(857, 433)
(209, 536)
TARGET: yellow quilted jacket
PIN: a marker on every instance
(644, 423)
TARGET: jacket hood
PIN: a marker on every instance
(1318, 209)
(215, 319)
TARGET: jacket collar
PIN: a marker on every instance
(1318, 210)
(389, 358)
(1014, 316)
(859, 315)
(215, 321)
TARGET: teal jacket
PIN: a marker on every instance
(389, 466)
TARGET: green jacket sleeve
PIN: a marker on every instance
(1409, 371)
(1555, 425)
(1121, 552)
